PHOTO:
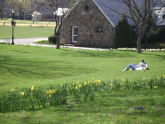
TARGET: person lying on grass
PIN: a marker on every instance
(141, 66)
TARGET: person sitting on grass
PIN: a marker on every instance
(141, 66)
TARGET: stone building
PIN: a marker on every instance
(92, 23)
(87, 25)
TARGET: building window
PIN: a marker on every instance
(99, 29)
(163, 17)
(86, 7)
(74, 34)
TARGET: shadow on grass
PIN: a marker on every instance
(39, 69)
(160, 54)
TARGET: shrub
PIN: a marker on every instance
(157, 37)
(124, 34)
(52, 39)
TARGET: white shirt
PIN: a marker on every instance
(141, 66)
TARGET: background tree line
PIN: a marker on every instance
(126, 35)
(24, 8)
(145, 30)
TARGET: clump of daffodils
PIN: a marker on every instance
(12, 90)
(97, 81)
(33, 88)
(158, 78)
(21, 93)
(110, 84)
(155, 87)
(85, 83)
(161, 77)
(78, 86)
(50, 92)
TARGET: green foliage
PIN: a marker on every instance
(52, 39)
(43, 42)
(157, 37)
(33, 98)
(124, 34)
(109, 107)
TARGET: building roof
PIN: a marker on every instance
(108, 7)
(62, 11)
(161, 17)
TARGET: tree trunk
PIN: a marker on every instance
(57, 41)
(146, 41)
(1, 14)
(57, 34)
(1, 11)
(139, 40)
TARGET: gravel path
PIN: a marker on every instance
(31, 41)
(23, 41)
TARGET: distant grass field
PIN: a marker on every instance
(24, 66)
(25, 32)
(8, 21)
(25, 29)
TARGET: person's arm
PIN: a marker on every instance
(140, 64)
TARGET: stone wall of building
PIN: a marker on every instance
(94, 29)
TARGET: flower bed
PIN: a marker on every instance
(144, 50)
(37, 98)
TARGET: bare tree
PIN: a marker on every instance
(60, 9)
(2, 3)
(141, 12)
(36, 16)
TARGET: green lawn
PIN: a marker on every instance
(25, 32)
(24, 66)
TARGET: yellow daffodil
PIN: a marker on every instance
(32, 88)
(158, 78)
(12, 90)
(155, 87)
(85, 83)
(21, 93)
(110, 84)
(50, 92)
(78, 86)
(89, 82)
(97, 81)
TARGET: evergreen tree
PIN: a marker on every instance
(124, 34)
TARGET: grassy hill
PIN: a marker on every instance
(25, 66)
